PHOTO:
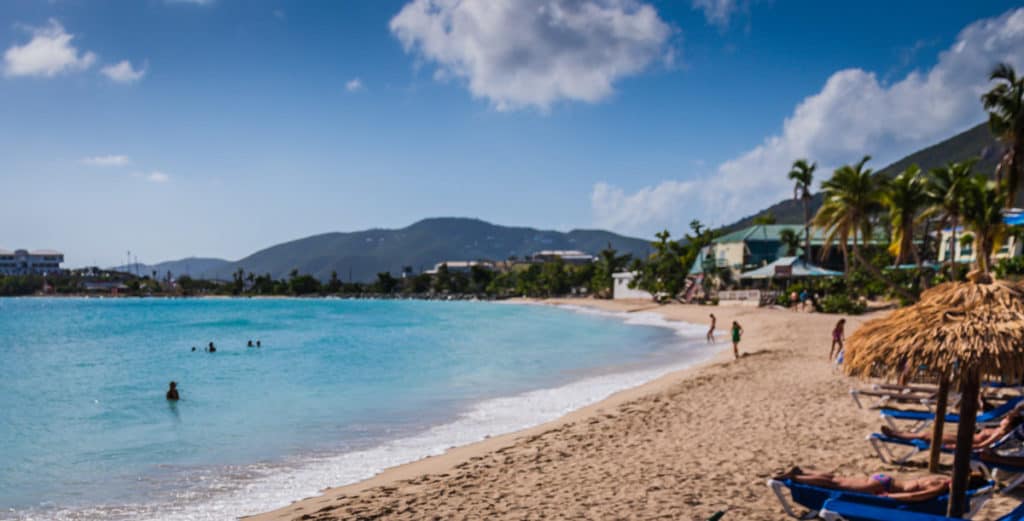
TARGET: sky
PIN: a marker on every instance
(175, 128)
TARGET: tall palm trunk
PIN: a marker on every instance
(856, 251)
(1013, 176)
(954, 247)
(907, 245)
(807, 230)
(983, 248)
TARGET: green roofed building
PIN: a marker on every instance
(761, 244)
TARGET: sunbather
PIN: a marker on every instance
(990, 456)
(982, 439)
(917, 489)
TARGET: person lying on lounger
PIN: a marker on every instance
(982, 439)
(916, 489)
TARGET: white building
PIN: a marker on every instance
(567, 256)
(460, 266)
(621, 289)
(964, 250)
(23, 262)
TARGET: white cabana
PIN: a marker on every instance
(789, 268)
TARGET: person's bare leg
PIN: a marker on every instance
(909, 436)
(736, 350)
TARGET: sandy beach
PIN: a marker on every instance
(681, 447)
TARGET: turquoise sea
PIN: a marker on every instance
(339, 390)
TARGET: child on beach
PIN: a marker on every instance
(737, 332)
(837, 339)
(711, 332)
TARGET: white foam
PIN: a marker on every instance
(277, 487)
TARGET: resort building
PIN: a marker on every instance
(460, 266)
(964, 251)
(567, 256)
(761, 244)
(24, 262)
(621, 289)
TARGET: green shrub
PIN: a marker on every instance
(841, 303)
(1012, 267)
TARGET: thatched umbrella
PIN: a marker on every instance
(961, 331)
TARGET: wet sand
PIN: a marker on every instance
(681, 447)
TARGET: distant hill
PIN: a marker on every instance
(196, 267)
(976, 142)
(420, 245)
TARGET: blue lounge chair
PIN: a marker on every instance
(880, 442)
(813, 498)
(988, 469)
(841, 510)
(924, 418)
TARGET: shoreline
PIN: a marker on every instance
(684, 445)
(457, 455)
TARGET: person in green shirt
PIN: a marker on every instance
(737, 332)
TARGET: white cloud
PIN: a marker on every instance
(354, 85)
(47, 54)
(109, 160)
(615, 209)
(123, 72)
(153, 177)
(523, 53)
(717, 12)
(853, 114)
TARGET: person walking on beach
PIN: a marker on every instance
(711, 332)
(172, 392)
(737, 332)
(838, 335)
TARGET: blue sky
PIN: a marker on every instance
(219, 127)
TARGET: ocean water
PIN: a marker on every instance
(340, 390)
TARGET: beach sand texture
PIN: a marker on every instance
(681, 447)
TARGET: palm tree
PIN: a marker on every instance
(1005, 106)
(852, 194)
(790, 240)
(982, 212)
(945, 188)
(905, 197)
(802, 175)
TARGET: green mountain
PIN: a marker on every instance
(196, 267)
(975, 142)
(365, 253)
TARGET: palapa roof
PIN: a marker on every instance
(799, 268)
(955, 325)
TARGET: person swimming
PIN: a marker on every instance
(193, 349)
(211, 348)
(258, 343)
(249, 344)
(172, 392)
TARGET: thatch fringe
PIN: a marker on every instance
(956, 325)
